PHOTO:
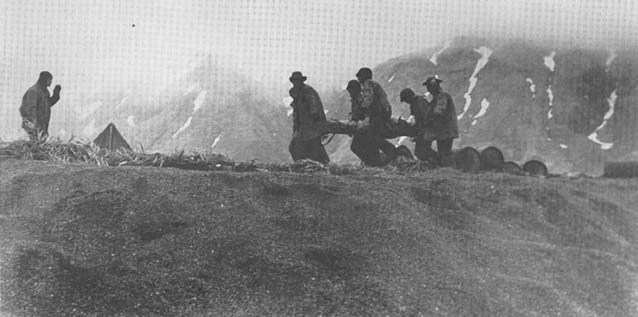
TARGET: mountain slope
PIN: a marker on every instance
(126, 241)
(210, 107)
(573, 108)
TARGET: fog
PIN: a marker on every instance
(107, 45)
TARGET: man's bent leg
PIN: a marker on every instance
(388, 150)
(317, 152)
(364, 149)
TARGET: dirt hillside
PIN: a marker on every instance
(78, 240)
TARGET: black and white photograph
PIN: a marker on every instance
(318, 158)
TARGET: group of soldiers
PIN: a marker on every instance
(371, 114)
(434, 120)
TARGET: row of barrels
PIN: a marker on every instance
(469, 159)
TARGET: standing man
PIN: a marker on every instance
(354, 89)
(369, 143)
(36, 107)
(307, 113)
(443, 122)
(421, 109)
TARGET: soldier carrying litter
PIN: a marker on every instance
(307, 114)
(421, 109)
(372, 109)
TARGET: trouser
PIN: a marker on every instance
(423, 151)
(372, 149)
(308, 149)
(35, 133)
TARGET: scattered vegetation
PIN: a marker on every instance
(75, 151)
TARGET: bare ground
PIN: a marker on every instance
(132, 241)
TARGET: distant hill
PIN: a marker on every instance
(210, 107)
(573, 108)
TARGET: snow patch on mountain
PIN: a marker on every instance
(199, 101)
(216, 140)
(532, 87)
(551, 64)
(121, 103)
(184, 127)
(484, 106)
(131, 121)
(550, 94)
(594, 136)
(612, 56)
(549, 61)
(485, 55)
(435, 56)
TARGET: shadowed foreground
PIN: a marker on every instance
(78, 239)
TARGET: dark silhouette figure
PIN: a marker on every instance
(442, 127)
(307, 114)
(372, 110)
(36, 107)
(421, 109)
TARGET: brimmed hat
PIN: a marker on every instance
(406, 94)
(432, 81)
(297, 76)
(364, 72)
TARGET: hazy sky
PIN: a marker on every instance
(103, 44)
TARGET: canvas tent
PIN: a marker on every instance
(111, 139)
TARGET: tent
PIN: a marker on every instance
(111, 139)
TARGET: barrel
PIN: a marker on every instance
(467, 159)
(513, 168)
(535, 168)
(492, 159)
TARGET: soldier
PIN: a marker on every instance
(307, 114)
(36, 107)
(369, 143)
(354, 89)
(444, 126)
(421, 109)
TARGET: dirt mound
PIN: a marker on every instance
(78, 240)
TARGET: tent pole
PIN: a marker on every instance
(111, 138)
